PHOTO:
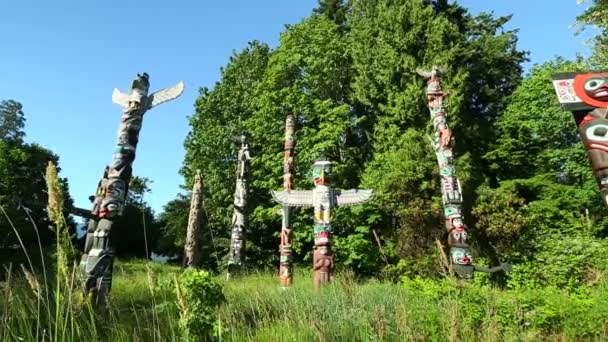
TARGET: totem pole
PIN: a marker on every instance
(451, 192)
(324, 199)
(192, 248)
(585, 94)
(286, 258)
(239, 219)
(111, 194)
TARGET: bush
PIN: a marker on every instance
(198, 296)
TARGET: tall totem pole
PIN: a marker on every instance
(285, 250)
(192, 248)
(324, 199)
(585, 94)
(451, 191)
(239, 218)
(112, 190)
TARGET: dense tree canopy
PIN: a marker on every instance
(12, 121)
(348, 72)
(22, 183)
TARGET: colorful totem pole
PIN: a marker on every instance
(286, 258)
(239, 218)
(192, 248)
(324, 199)
(451, 192)
(112, 190)
(585, 94)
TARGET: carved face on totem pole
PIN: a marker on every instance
(461, 256)
(112, 205)
(321, 172)
(586, 95)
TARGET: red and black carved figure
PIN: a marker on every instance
(585, 94)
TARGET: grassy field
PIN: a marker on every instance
(143, 309)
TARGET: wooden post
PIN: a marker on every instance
(192, 247)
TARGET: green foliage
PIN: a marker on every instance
(143, 304)
(348, 73)
(173, 223)
(545, 213)
(595, 16)
(198, 296)
(23, 193)
(12, 121)
(137, 232)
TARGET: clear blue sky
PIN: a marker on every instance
(61, 60)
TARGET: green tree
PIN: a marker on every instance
(390, 41)
(596, 16)
(352, 84)
(136, 232)
(12, 121)
(210, 147)
(335, 10)
(23, 187)
(173, 223)
(546, 204)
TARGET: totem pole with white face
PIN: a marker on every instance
(585, 94)
(112, 190)
(324, 199)
(451, 191)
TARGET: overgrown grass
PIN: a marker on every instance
(143, 309)
(143, 306)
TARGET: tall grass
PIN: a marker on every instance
(143, 306)
(257, 310)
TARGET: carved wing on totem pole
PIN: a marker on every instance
(120, 98)
(430, 73)
(352, 197)
(165, 95)
(294, 198)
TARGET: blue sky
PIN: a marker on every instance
(61, 60)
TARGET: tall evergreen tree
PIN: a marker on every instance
(12, 121)
(390, 40)
(359, 103)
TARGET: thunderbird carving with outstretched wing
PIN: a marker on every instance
(352, 197)
(294, 198)
(165, 95)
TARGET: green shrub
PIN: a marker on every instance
(198, 296)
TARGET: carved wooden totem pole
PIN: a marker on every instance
(286, 258)
(585, 94)
(192, 248)
(239, 218)
(111, 194)
(451, 192)
(324, 199)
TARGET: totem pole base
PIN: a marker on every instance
(320, 279)
(233, 271)
(468, 271)
(323, 266)
(286, 283)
